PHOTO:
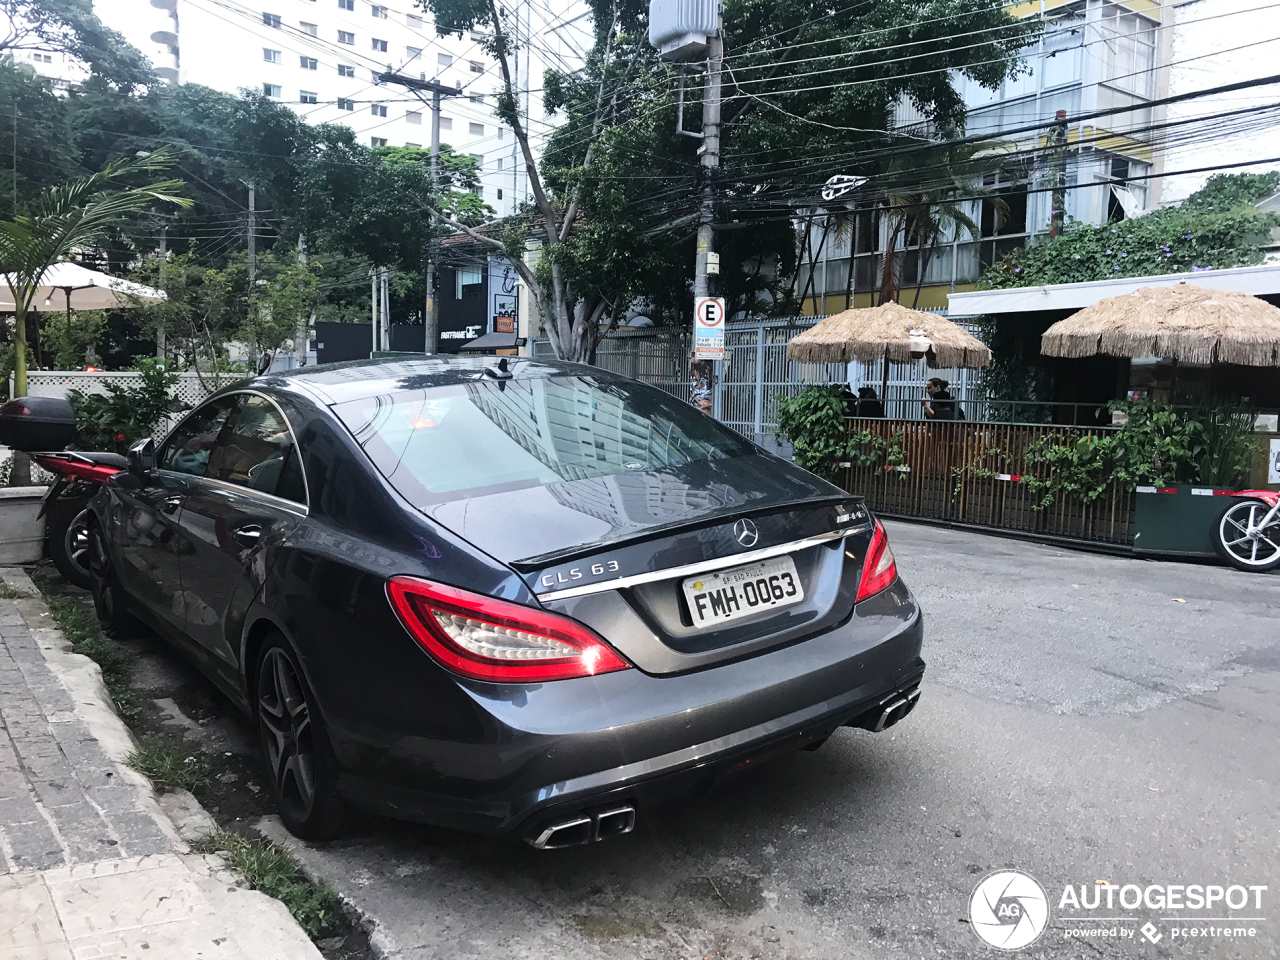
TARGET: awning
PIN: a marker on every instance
(1260, 281)
(493, 341)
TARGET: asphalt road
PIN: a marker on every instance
(1085, 718)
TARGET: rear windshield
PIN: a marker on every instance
(455, 442)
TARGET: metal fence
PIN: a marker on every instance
(756, 371)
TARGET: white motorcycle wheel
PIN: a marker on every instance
(1240, 542)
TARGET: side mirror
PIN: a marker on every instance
(142, 457)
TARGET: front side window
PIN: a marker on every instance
(451, 443)
(187, 449)
(256, 451)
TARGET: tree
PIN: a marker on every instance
(65, 219)
(807, 92)
(71, 27)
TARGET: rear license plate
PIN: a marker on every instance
(725, 595)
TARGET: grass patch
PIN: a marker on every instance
(167, 766)
(9, 593)
(268, 868)
(79, 625)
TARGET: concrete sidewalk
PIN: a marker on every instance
(90, 865)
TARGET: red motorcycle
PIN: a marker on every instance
(66, 507)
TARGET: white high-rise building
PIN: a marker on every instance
(324, 58)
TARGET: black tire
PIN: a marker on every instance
(300, 764)
(110, 602)
(1234, 544)
(67, 536)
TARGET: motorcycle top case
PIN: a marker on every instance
(37, 423)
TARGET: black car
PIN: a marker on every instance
(526, 601)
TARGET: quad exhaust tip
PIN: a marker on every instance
(897, 709)
(613, 822)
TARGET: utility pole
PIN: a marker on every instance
(385, 307)
(373, 300)
(251, 239)
(300, 333)
(703, 371)
(710, 155)
(1057, 216)
(430, 305)
(160, 344)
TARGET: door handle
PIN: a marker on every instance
(248, 535)
(171, 504)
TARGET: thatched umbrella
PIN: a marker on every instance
(1180, 323)
(889, 332)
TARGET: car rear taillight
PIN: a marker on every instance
(484, 638)
(879, 570)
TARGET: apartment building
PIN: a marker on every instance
(324, 59)
(1107, 57)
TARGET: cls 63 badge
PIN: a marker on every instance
(577, 573)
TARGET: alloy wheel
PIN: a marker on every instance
(1246, 543)
(285, 719)
(76, 541)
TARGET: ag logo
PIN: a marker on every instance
(1009, 910)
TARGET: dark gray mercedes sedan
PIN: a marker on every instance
(526, 598)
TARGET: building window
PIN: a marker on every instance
(310, 28)
(499, 193)
(477, 35)
(380, 45)
(478, 191)
(476, 129)
(345, 37)
(499, 167)
(500, 131)
(271, 90)
(476, 98)
(466, 277)
(271, 56)
(307, 96)
(444, 59)
(379, 12)
(1128, 50)
(377, 141)
(376, 77)
(346, 4)
(307, 63)
(416, 146)
(479, 159)
(378, 109)
(346, 71)
(446, 123)
(271, 20)
(413, 52)
(345, 104)
(42, 57)
(477, 66)
(414, 117)
(413, 21)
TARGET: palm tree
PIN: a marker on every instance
(65, 219)
(926, 201)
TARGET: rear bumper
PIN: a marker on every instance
(555, 751)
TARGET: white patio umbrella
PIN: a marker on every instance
(68, 286)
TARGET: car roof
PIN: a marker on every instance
(357, 379)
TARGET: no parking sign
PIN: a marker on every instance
(708, 328)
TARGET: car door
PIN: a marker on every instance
(148, 515)
(249, 500)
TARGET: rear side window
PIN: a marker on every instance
(256, 451)
(188, 448)
(455, 442)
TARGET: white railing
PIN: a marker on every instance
(188, 392)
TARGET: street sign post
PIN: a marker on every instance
(708, 328)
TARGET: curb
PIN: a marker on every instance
(381, 945)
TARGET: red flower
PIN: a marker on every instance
(120, 438)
